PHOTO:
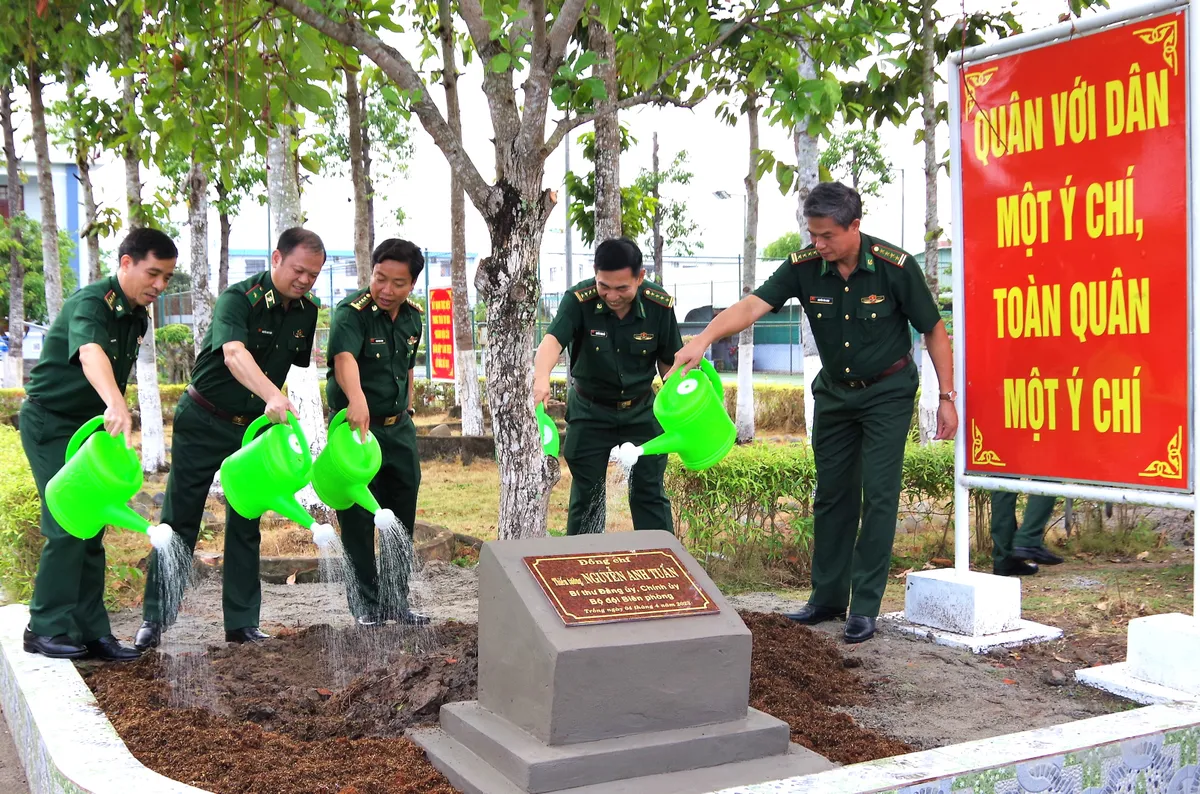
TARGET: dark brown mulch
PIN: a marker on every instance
(282, 727)
(798, 675)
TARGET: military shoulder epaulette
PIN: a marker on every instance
(804, 255)
(313, 299)
(254, 294)
(416, 306)
(893, 256)
(111, 299)
(658, 296)
(586, 293)
(362, 301)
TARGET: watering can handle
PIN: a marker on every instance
(264, 420)
(338, 418)
(82, 434)
(711, 372)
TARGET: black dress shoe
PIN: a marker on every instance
(109, 650)
(811, 614)
(60, 646)
(1038, 554)
(859, 628)
(409, 618)
(248, 634)
(1010, 567)
(148, 635)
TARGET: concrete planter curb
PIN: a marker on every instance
(65, 742)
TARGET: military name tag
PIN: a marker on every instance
(820, 301)
(599, 333)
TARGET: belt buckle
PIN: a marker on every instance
(240, 421)
(856, 384)
(390, 420)
(623, 405)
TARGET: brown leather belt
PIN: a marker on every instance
(199, 399)
(620, 405)
(862, 383)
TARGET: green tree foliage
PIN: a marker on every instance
(782, 246)
(856, 156)
(30, 254)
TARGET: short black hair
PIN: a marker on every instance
(618, 253)
(140, 243)
(835, 201)
(399, 250)
(299, 237)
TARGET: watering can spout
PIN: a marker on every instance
(288, 507)
(363, 497)
(661, 445)
(121, 515)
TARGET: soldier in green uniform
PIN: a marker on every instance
(620, 332)
(83, 372)
(373, 340)
(261, 327)
(1017, 551)
(860, 294)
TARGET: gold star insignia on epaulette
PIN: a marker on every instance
(889, 255)
(313, 299)
(804, 255)
(254, 294)
(661, 298)
(111, 299)
(416, 306)
(585, 294)
(362, 301)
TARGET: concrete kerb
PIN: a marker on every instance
(65, 742)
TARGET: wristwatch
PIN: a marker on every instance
(410, 411)
(949, 396)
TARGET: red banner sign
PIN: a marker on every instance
(441, 334)
(1075, 234)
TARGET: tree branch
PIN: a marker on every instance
(399, 70)
(497, 86)
(481, 33)
(545, 57)
(645, 98)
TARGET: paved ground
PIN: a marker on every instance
(12, 778)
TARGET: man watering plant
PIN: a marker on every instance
(83, 371)
(620, 331)
(860, 294)
(261, 327)
(373, 339)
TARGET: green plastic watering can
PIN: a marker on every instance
(343, 470)
(91, 491)
(691, 410)
(268, 470)
(547, 431)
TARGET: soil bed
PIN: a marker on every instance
(278, 725)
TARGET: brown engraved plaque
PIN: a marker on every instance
(612, 587)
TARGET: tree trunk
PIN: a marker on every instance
(466, 377)
(658, 239)
(928, 401)
(745, 374)
(608, 135)
(807, 177)
(51, 267)
(356, 111)
(283, 197)
(507, 281)
(14, 372)
(131, 155)
(83, 161)
(154, 448)
(223, 257)
(202, 300)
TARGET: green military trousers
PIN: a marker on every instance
(1006, 535)
(858, 444)
(199, 444)
(68, 590)
(395, 488)
(592, 431)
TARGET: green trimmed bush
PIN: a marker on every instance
(20, 517)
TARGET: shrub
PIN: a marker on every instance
(20, 518)
(176, 352)
(10, 402)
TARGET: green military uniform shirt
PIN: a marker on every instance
(99, 313)
(253, 312)
(386, 350)
(860, 324)
(612, 358)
